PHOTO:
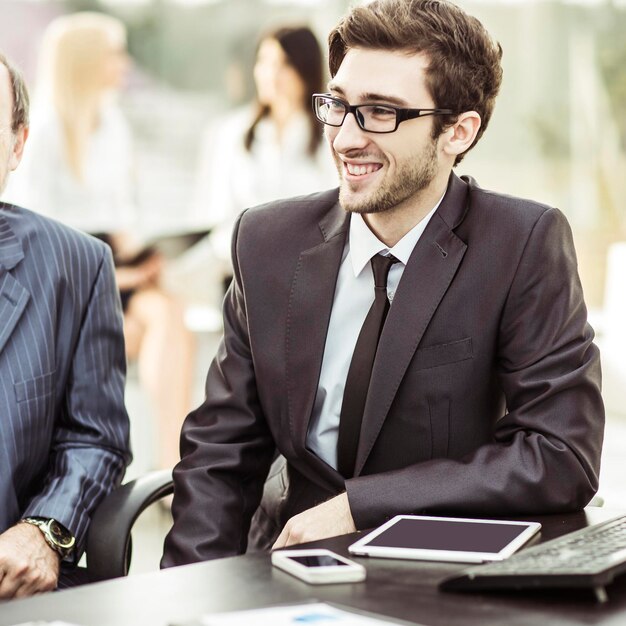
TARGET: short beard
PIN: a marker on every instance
(413, 176)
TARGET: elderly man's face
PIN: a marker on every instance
(11, 144)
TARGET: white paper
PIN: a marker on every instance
(314, 614)
(40, 623)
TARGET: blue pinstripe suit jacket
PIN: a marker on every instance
(63, 425)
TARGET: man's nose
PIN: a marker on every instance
(349, 135)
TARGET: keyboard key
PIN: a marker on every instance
(591, 557)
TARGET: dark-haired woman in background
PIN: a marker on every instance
(274, 150)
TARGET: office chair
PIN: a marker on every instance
(109, 543)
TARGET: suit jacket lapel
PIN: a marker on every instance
(310, 305)
(425, 280)
(13, 296)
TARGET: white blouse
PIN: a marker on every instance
(102, 201)
(231, 178)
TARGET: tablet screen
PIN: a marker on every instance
(445, 539)
(440, 534)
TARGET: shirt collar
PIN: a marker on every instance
(364, 244)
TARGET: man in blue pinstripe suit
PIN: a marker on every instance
(63, 425)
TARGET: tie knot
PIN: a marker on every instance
(380, 267)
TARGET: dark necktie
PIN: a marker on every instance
(360, 370)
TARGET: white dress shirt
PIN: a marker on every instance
(354, 295)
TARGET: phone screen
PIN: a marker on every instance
(318, 560)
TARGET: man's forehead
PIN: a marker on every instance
(397, 74)
(4, 75)
(6, 94)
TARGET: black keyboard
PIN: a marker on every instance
(590, 557)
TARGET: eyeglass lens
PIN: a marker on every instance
(372, 117)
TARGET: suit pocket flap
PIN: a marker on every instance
(31, 388)
(443, 353)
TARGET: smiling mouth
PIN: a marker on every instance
(361, 169)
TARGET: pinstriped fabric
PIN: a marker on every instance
(63, 425)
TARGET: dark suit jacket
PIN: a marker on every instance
(485, 395)
(63, 425)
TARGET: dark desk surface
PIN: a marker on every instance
(401, 589)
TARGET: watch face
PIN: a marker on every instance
(60, 535)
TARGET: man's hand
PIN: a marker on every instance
(329, 519)
(28, 564)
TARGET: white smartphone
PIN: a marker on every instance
(318, 566)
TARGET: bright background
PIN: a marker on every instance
(558, 133)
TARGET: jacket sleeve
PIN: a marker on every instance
(90, 446)
(226, 449)
(544, 456)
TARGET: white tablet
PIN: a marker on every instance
(445, 539)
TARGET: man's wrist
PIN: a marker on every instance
(56, 535)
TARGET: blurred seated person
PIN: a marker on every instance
(79, 170)
(271, 150)
(64, 428)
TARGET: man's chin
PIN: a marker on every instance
(351, 207)
(361, 205)
(353, 202)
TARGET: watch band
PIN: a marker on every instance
(56, 535)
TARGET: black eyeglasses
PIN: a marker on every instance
(373, 118)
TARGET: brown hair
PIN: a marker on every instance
(304, 55)
(20, 96)
(464, 72)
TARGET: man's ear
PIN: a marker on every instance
(460, 136)
(19, 140)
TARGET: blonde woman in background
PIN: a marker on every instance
(78, 169)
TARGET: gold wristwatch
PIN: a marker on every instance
(57, 537)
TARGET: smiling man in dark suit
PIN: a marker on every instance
(409, 344)
(63, 425)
